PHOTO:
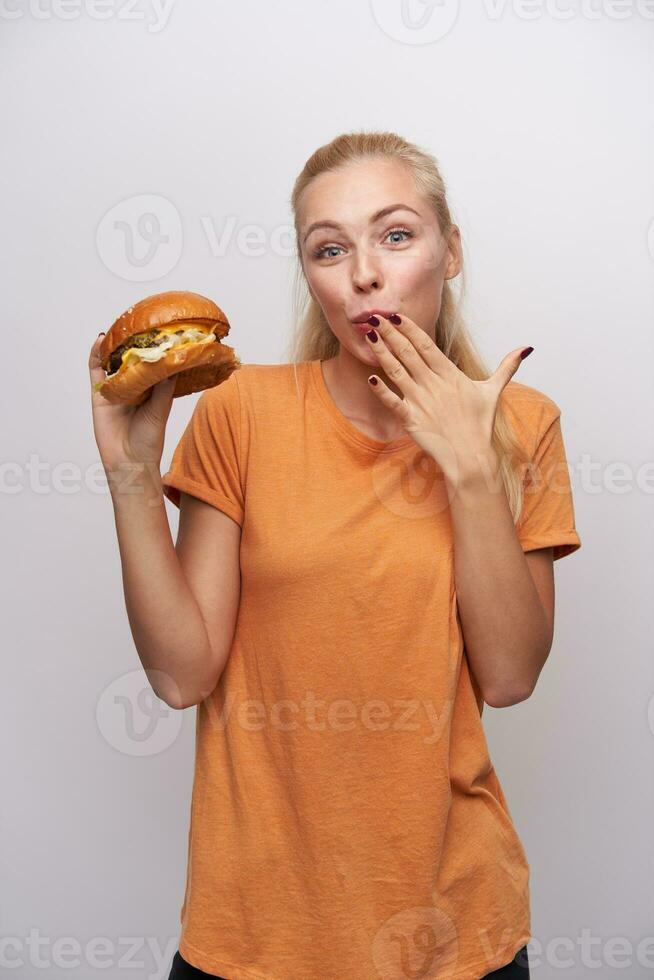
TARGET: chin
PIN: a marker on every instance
(365, 357)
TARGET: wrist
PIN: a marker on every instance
(134, 480)
(480, 469)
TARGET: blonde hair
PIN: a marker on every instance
(313, 338)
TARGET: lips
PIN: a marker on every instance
(362, 317)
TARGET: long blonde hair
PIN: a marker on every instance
(313, 338)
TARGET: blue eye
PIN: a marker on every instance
(401, 231)
(320, 252)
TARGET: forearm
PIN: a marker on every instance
(165, 620)
(505, 628)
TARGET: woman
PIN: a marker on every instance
(347, 519)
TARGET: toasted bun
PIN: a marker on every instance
(199, 365)
(161, 310)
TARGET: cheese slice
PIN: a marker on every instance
(151, 354)
(176, 336)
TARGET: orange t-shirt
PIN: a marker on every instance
(346, 819)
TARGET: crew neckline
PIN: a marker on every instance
(343, 424)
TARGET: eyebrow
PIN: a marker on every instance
(375, 217)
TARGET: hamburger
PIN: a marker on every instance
(174, 333)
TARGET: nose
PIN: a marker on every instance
(366, 273)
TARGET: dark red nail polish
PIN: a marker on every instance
(395, 318)
(373, 321)
(101, 334)
(373, 380)
(372, 335)
(526, 352)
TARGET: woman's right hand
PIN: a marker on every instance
(129, 434)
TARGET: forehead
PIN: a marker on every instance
(357, 190)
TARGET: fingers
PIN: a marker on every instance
(398, 360)
(412, 346)
(508, 367)
(95, 369)
(161, 395)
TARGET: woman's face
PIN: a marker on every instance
(393, 262)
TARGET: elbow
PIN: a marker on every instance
(174, 701)
(504, 699)
(515, 690)
(191, 689)
(182, 700)
(179, 705)
(175, 698)
(175, 695)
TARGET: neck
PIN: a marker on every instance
(347, 379)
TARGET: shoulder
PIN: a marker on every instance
(521, 398)
(529, 411)
(257, 389)
(244, 378)
(267, 381)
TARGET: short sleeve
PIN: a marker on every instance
(547, 518)
(206, 461)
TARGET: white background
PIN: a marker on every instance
(541, 118)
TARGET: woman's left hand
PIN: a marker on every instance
(448, 415)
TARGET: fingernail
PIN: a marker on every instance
(101, 334)
(526, 352)
(373, 380)
(395, 318)
(373, 321)
(372, 335)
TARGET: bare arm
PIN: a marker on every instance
(505, 599)
(181, 600)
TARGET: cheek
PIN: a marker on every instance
(428, 271)
(413, 272)
(325, 288)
